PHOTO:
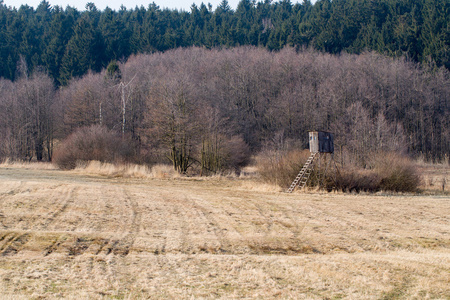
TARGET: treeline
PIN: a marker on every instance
(214, 108)
(68, 43)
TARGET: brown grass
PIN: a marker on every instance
(436, 177)
(27, 165)
(78, 235)
(126, 170)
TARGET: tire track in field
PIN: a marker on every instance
(287, 230)
(221, 232)
(161, 214)
(55, 244)
(272, 228)
(225, 245)
(67, 200)
(246, 216)
(136, 215)
(268, 220)
(36, 208)
(126, 217)
(250, 206)
(161, 233)
(276, 214)
(180, 213)
(12, 191)
(131, 228)
(126, 243)
(170, 220)
(13, 243)
(254, 224)
(298, 227)
(178, 226)
(194, 227)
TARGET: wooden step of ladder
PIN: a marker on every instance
(303, 175)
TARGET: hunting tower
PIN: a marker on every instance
(320, 144)
(321, 141)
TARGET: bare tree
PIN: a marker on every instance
(173, 119)
(27, 124)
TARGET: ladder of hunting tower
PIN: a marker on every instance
(303, 175)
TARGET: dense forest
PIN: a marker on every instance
(67, 43)
(215, 108)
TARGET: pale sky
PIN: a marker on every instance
(115, 4)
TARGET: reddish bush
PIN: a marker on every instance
(236, 154)
(92, 143)
(357, 181)
(398, 173)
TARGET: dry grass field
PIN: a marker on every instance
(435, 177)
(82, 235)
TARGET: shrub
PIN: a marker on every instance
(354, 180)
(222, 154)
(387, 171)
(281, 168)
(92, 143)
(398, 173)
(236, 154)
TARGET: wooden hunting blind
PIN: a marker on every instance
(320, 144)
(321, 141)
